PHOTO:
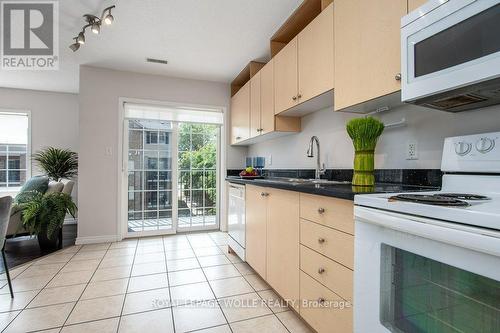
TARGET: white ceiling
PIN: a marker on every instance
(202, 39)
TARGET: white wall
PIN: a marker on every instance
(100, 91)
(425, 126)
(54, 117)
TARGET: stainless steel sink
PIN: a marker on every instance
(301, 181)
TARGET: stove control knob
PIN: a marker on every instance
(463, 148)
(485, 145)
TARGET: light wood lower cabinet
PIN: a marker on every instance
(256, 228)
(283, 243)
(331, 212)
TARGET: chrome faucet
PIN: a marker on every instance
(320, 168)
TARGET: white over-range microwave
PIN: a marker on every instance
(451, 54)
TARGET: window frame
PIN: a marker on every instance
(15, 189)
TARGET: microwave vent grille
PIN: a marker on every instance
(456, 101)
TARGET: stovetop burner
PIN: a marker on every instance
(463, 196)
(427, 199)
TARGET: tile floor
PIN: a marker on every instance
(181, 283)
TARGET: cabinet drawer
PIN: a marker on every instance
(335, 316)
(332, 243)
(332, 212)
(329, 273)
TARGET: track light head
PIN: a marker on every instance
(96, 28)
(74, 47)
(109, 19)
(81, 38)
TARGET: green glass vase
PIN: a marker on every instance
(364, 168)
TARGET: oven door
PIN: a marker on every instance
(419, 275)
(454, 45)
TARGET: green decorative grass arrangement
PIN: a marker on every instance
(57, 163)
(364, 133)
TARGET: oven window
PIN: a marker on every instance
(468, 40)
(423, 295)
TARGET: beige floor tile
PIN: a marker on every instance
(95, 309)
(89, 255)
(105, 288)
(54, 330)
(230, 287)
(182, 264)
(233, 257)
(112, 273)
(19, 301)
(71, 249)
(48, 269)
(207, 251)
(149, 257)
(101, 326)
(273, 301)
(201, 241)
(244, 268)
(123, 244)
(80, 265)
(54, 259)
(257, 282)
(263, 324)
(214, 260)
(150, 249)
(6, 318)
(221, 272)
(191, 293)
(180, 254)
(176, 245)
(70, 278)
(243, 307)
(26, 284)
(116, 261)
(147, 282)
(50, 296)
(120, 252)
(159, 321)
(95, 247)
(206, 316)
(293, 323)
(217, 329)
(43, 318)
(186, 277)
(150, 268)
(146, 301)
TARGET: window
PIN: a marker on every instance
(14, 149)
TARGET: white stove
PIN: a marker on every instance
(415, 252)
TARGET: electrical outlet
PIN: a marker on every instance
(412, 151)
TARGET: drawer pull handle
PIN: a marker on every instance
(321, 270)
(321, 210)
(321, 240)
(321, 300)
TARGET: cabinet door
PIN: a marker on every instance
(255, 105)
(256, 224)
(240, 115)
(286, 77)
(315, 56)
(414, 4)
(283, 243)
(367, 49)
(267, 97)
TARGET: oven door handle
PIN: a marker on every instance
(478, 239)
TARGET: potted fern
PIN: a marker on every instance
(43, 214)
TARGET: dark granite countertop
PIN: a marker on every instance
(342, 191)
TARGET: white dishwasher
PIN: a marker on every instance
(236, 219)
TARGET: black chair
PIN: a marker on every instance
(5, 206)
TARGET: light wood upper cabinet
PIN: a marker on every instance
(267, 98)
(255, 105)
(414, 4)
(283, 242)
(240, 115)
(256, 225)
(286, 77)
(367, 49)
(315, 56)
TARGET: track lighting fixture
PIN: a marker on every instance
(94, 23)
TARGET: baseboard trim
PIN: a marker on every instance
(97, 239)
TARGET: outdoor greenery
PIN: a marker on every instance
(45, 212)
(57, 163)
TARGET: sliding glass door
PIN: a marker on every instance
(172, 176)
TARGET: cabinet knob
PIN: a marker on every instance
(321, 240)
(398, 77)
(299, 96)
(321, 210)
(294, 98)
(321, 270)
